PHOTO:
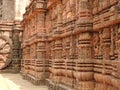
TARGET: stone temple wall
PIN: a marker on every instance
(72, 44)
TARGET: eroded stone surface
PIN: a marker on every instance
(72, 42)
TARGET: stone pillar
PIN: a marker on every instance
(70, 62)
(57, 61)
(16, 59)
(106, 40)
(84, 64)
(40, 62)
(84, 67)
(25, 62)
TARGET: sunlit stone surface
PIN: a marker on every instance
(16, 82)
(63, 44)
(72, 44)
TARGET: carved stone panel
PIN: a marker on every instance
(5, 49)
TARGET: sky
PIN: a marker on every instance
(20, 8)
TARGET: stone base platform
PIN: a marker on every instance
(54, 86)
(33, 79)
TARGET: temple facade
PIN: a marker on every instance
(72, 44)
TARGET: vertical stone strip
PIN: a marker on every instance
(16, 48)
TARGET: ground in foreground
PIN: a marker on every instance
(16, 82)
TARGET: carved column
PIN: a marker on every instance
(106, 40)
(16, 63)
(40, 62)
(57, 61)
(67, 60)
(84, 64)
(52, 60)
(70, 62)
(26, 61)
(63, 69)
(104, 54)
(84, 75)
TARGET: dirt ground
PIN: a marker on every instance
(16, 82)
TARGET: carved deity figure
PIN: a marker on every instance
(96, 44)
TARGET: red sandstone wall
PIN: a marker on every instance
(79, 38)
